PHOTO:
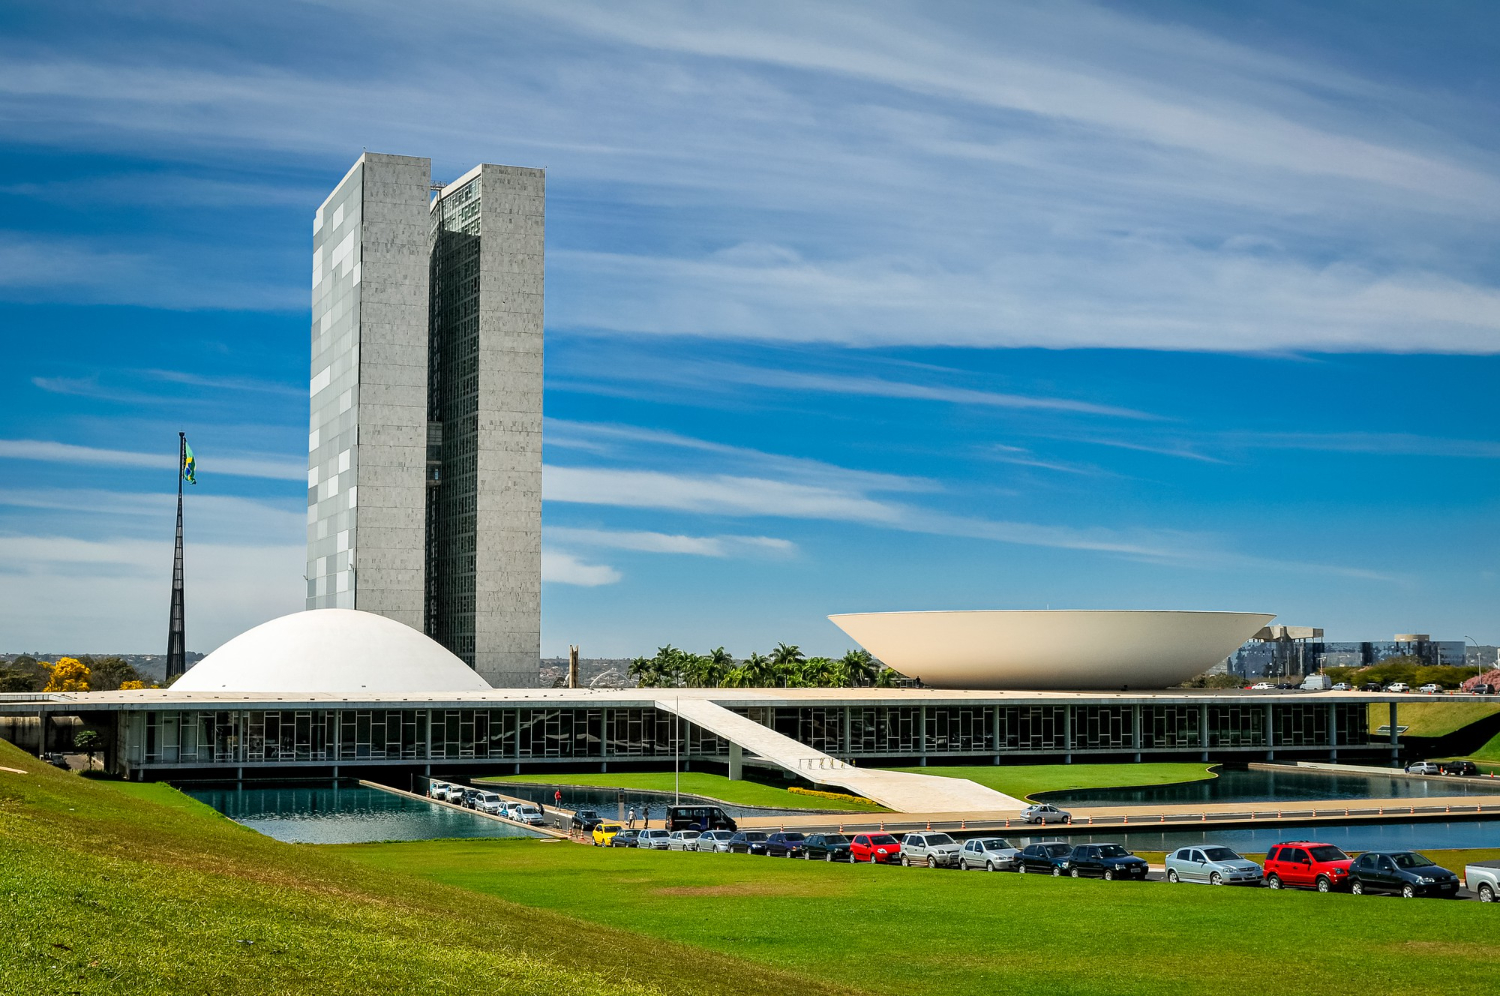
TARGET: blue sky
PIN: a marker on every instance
(849, 307)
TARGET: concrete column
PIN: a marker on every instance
(736, 762)
(1395, 743)
(1203, 729)
(848, 733)
(1135, 730)
(922, 736)
(429, 737)
(1270, 733)
(1068, 734)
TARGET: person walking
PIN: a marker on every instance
(645, 817)
(631, 820)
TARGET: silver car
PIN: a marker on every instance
(714, 841)
(989, 853)
(1045, 812)
(1211, 864)
(652, 840)
(682, 840)
(935, 850)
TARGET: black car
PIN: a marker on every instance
(1460, 768)
(1370, 686)
(1048, 859)
(1405, 873)
(626, 838)
(786, 844)
(585, 820)
(698, 818)
(826, 847)
(748, 842)
(1106, 861)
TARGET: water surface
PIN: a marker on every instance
(1292, 785)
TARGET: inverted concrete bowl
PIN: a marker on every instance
(1051, 650)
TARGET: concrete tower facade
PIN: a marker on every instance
(424, 446)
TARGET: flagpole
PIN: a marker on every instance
(176, 627)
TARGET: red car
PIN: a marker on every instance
(881, 847)
(1307, 865)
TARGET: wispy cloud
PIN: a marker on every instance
(564, 568)
(269, 466)
(653, 542)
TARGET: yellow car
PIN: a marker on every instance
(605, 832)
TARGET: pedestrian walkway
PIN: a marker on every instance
(903, 792)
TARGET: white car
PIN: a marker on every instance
(682, 840)
(527, 813)
(489, 802)
(989, 853)
(1431, 688)
(714, 841)
(1343, 686)
(1263, 686)
(1424, 768)
(1045, 812)
(652, 840)
(936, 850)
(438, 790)
(1399, 686)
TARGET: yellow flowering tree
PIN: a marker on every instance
(68, 675)
(128, 685)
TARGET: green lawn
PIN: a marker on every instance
(110, 888)
(1428, 717)
(697, 783)
(1024, 780)
(915, 932)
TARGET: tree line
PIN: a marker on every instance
(69, 674)
(784, 667)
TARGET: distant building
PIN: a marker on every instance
(1280, 658)
(425, 438)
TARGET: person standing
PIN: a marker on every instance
(631, 820)
(646, 817)
(557, 799)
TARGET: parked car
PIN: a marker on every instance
(1405, 873)
(489, 802)
(699, 818)
(936, 850)
(1398, 686)
(1263, 686)
(1370, 686)
(466, 799)
(1424, 768)
(876, 848)
(603, 832)
(1431, 688)
(1342, 686)
(748, 842)
(653, 839)
(1460, 768)
(1482, 689)
(528, 813)
(1106, 861)
(785, 844)
(1483, 879)
(827, 846)
(1045, 812)
(682, 840)
(1305, 864)
(1212, 864)
(1049, 858)
(1286, 686)
(438, 790)
(989, 853)
(713, 841)
(626, 838)
(584, 819)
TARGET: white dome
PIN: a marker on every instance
(335, 651)
(1051, 650)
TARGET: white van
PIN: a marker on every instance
(438, 790)
(1317, 683)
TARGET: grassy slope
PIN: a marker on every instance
(698, 783)
(1023, 780)
(915, 932)
(1432, 717)
(105, 889)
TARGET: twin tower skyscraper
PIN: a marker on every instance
(424, 468)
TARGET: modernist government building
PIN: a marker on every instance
(419, 652)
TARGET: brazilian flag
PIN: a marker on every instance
(189, 464)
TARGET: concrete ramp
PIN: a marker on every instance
(900, 791)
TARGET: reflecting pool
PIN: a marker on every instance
(1351, 837)
(345, 813)
(1288, 785)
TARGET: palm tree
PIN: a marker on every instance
(859, 666)
(723, 662)
(643, 670)
(887, 677)
(703, 671)
(738, 677)
(817, 672)
(759, 670)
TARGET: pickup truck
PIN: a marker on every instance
(1483, 879)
